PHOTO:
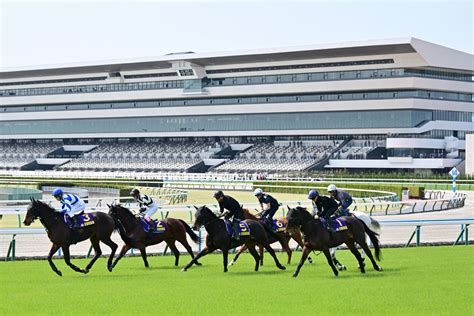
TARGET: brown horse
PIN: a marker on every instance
(62, 236)
(219, 238)
(132, 233)
(283, 237)
(317, 237)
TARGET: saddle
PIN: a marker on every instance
(244, 229)
(159, 226)
(338, 224)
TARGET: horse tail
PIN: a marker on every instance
(375, 241)
(374, 225)
(190, 232)
(123, 233)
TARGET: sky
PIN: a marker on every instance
(56, 32)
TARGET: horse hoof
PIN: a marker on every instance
(59, 273)
(86, 271)
(184, 270)
(110, 268)
(380, 269)
(198, 263)
(282, 267)
(295, 275)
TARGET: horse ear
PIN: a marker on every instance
(289, 208)
(195, 207)
(108, 204)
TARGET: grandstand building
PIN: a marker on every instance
(384, 104)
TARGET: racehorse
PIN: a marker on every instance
(134, 236)
(283, 237)
(62, 236)
(218, 237)
(316, 237)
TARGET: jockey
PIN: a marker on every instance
(269, 206)
(234, 210)
(71, 205)
(147, 206)
(343, 198)
(323, 206)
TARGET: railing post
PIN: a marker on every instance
(417, 235)
(19, 218)
(466, 237)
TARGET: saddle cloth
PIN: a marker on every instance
(339, 224)
(159, 226)
(244, 229)
(82, 220)
(278, 226)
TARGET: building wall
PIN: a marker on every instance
(469, 162)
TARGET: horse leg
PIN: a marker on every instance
(203, 252)
(297, 237)
(350, 244)
(53, 250)
(366, 250)
(260, 249)
(305, 254)
(272, 253)
(175, 250)
(286, 247)
(339, 265)
(124, 250)
(241, 249)
(67, 258)
(143, 253)
(225, 254)
(189, 250)
(255, 255)
(327, 253)
(97, 253)
(113, 247)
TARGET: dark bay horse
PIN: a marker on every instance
(283, 238)
(219, 238)
(317, 237)
(132, 233)
(62, 236)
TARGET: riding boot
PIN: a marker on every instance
(330, 225)
(235, 230)
(151, 225)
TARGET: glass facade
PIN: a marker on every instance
(243, 122)
(235, 81)
(293, 98)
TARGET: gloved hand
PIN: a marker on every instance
(141, 210)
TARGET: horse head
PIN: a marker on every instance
(203, 216)
(35, 210)
(295, 216)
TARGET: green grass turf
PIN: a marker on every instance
(423, 281)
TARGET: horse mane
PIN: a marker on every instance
(43, 205)
(301, 208)
(208, 210)
(127, 211)
(249, 215)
